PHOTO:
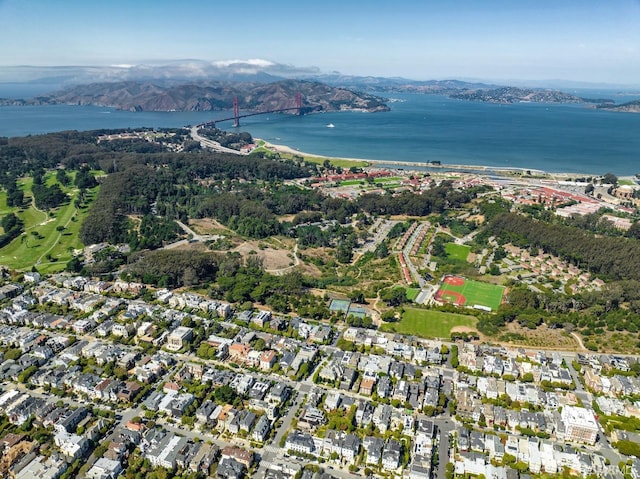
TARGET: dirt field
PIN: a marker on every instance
(541, 337)
(272, 258)
(208, 226)
(464, 329)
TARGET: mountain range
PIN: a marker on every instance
(259, 85)
(211, 95)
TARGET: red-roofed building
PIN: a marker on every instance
(171, 388)
(239, 352)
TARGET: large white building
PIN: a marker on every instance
(580, 424)
(178, 338)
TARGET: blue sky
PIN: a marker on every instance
(585, 40)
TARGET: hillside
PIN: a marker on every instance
(213, 95)
(516, 95)
(629, 107)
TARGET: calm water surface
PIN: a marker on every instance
(420, 128)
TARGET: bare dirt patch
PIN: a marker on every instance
(283, 218)
(463, 329)
(272, 258)
(542, 337)
(208, 226)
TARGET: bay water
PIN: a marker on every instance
(419, 128)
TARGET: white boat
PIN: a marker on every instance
(330, 125)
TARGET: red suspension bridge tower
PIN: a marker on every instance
(236, 113)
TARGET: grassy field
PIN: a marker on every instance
(475, 292)
(352, 182)
(457, 251)
(412, 293)
(341, 162)
(623, 182)
(49, 238)
(393, 180)
(429, 324)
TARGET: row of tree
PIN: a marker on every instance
(12, 226)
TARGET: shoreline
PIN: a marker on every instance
(535, 173)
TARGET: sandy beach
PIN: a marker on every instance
(393, 163)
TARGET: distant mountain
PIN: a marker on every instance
(517, 95)
(399, 85)
(211, 95)
(259, 85)
(629, 107)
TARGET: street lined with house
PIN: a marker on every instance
(186, 383)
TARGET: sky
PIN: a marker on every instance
(581, 40)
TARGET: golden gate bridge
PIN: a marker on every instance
(236, 113)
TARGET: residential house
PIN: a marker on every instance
(71, 445)
(261, 431)
(391, 455)
(373, 446)
(300, 442)
(267, 360)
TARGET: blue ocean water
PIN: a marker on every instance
(419, 128)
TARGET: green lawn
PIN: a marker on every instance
(376, 182)
(352, 182)
(457, 251)
(623, 182)
(50, 237)
(412, 293)
(428, 323)
(4, 209)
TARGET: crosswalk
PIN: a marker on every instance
(272, 449)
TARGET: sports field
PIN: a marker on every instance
(467, 292)
(428, 323)
(457, 251)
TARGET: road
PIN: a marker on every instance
(212, 145)
(446, 427)
(271, 449)
(193, 237)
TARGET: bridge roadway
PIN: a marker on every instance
(245, 115)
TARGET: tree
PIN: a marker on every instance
(610, 179)
(382, 251)
(259, 344)
(224, 394)
(454, 356)
(358, 297)
(628, 448)
(63, 178)
(394, 296)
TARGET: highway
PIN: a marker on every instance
(212, 145)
